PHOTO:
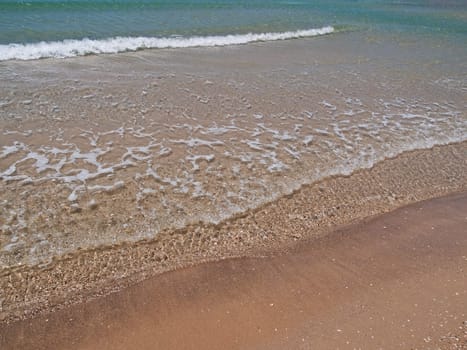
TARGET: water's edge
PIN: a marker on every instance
(309, 211)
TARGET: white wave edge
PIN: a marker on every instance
(72, 48)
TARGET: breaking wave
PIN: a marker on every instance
(71, 48)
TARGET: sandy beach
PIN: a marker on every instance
(278, 194)
(161, 159)
(394, 281)
(311, 212)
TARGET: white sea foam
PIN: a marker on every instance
(175, 174)
(71, 48)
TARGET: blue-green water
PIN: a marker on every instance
(34, 21)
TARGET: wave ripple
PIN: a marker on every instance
(71, 48)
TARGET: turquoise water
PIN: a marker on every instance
(33, 21)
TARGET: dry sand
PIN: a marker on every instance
(395, 281)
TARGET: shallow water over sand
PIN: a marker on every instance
(96, 151)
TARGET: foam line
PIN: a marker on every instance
(71, 48)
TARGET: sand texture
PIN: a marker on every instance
(395, 281)
(117, 168)
(103, 150)
(310, 212)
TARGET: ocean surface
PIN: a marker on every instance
(113, 147)
(31, 29)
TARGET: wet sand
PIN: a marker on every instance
(395, 281)
(313, 211)
(117, 168)
(131, 145)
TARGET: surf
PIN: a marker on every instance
(72, 48)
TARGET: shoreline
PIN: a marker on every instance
(395, 280)
(306, 193)
(306, 214)
(134, 144)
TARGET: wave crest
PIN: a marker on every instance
(71, 48)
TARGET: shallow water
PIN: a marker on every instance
(105, 149)
(101, 150)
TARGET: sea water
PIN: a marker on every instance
(100, 146)
(31, 29)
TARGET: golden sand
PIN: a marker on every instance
(307, 213)
(116, 168)
(395, 281)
